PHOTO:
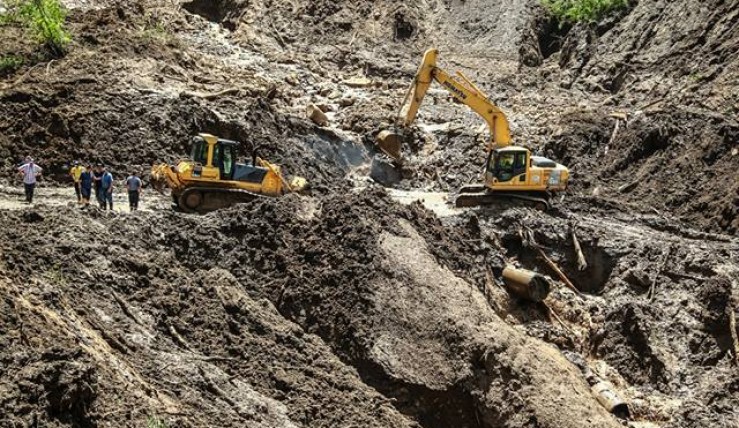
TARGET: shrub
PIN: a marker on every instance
(10, 63)
(583, 10)
(46, 20)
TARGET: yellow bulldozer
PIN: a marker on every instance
(212, 178)
(511, 172)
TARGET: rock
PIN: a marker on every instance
(358, 82)
(347, 101)
(638, 278)
(317, 115)
(292, 79)
(384, 172)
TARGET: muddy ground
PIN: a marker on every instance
(360, 305)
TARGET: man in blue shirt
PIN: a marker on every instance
(106, 189)
(133, 184)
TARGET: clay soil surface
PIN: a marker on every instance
(364, 304)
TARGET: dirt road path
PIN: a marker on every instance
(13, 198)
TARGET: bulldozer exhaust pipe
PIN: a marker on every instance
(526, 284)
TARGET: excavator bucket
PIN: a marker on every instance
(390, 143)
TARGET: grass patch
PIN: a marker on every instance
(155, 422)
(154, 31)
(583, 10)
(10, 63)
(8, 17)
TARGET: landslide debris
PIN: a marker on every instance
(106, 324)
(346, 309)
(208, 330)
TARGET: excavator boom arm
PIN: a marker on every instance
(463, 91)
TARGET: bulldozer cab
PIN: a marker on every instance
(215, 157)
(508, 163)
(213, 153)
(224, 157)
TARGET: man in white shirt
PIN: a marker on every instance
(30, 173)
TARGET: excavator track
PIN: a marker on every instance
(478, 195)
(206, 199)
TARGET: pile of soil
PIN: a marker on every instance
(678, 160)
(110, 323)
(342, 268)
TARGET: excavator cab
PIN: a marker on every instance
(505, 165)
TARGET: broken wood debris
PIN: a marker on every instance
(582, 263)
(558, 271)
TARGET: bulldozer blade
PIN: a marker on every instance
(390, 143)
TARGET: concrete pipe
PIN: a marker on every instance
(526, 284)
(603, 391)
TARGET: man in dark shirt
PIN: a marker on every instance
(97, 178)
(86, 181)
(106, 189)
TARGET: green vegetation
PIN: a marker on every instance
(154, 31)
(46, 19)
(155, 422)
(10, 63)
(583, 10)
(56, 276)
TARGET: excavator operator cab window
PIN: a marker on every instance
(508, 164)
(199, 151)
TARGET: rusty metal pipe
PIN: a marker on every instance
(526, 284)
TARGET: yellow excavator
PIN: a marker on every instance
(212, 178)
(511, 172)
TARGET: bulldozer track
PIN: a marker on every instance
(478, 195)
(205, 199)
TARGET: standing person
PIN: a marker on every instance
(106, 189)
(133, 184)
(97, 177)
(30, 173)
(75, 172)
(86, 181)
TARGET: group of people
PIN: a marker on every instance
(86, 179)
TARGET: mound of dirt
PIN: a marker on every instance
(649, 52)
(124, 331)
(679, 161)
